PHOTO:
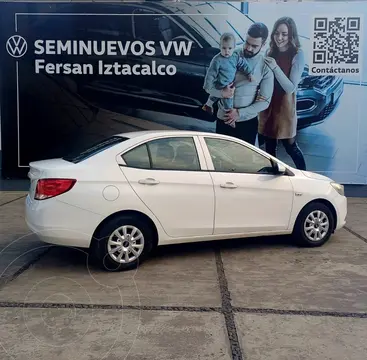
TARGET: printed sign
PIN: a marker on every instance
(287, 77)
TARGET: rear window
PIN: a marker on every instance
(78, 155)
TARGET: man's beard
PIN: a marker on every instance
(248, 54)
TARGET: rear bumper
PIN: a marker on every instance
(57, 223)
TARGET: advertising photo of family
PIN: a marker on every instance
(286, 77)
(256, 94)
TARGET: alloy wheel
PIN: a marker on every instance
(316, 225)
(125, 244)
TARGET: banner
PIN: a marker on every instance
(288, 77)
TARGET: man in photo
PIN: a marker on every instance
(222, 71)
(249, 97)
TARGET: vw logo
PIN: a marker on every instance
(16, 46)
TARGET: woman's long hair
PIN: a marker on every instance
(293, 39)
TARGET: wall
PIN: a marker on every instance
(57, 112)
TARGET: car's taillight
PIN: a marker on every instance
(48, 188)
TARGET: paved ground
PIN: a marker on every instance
(249, 299)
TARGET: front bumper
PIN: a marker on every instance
(341, 206)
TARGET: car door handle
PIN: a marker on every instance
(149, 181)
(228, 185)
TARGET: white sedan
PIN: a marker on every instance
(132, 192)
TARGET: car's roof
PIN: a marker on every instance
(149, 133)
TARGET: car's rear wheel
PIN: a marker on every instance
(314, 225)
(122, 243)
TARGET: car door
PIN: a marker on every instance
(248, 197)
(166, 175)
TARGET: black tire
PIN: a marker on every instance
(299, 234)
(99, 248)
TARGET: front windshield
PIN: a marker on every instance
(225, 17)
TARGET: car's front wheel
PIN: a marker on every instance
(122, 243)
(314, 225)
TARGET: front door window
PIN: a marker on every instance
(229, 156)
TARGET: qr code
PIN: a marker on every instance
(336, 40)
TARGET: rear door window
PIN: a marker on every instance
(138, 157)
(176, 153)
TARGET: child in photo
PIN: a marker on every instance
(222, 71)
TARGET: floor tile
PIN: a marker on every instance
(284, 337)
(276, 276)
(64, 334)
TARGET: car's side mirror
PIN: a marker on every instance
(281, 170)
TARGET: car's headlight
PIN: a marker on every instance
(339, 188)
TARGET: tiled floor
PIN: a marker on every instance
(241, 299)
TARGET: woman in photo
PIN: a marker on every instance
(279, 121)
